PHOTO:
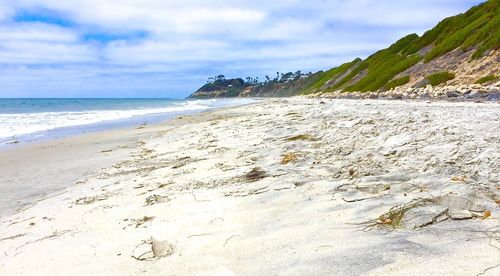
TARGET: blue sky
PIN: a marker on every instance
(161, 48)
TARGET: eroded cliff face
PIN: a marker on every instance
(467, 71)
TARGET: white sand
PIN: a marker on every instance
(182, 202)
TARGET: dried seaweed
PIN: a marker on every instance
(255, 174)
(289, 157)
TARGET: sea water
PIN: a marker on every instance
(25, 120)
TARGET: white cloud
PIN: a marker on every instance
(185, 41)
(36, 32)
(4, 13)
(38, 44)
(163, 51)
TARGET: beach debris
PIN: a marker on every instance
(388, 152)
(255, 191)
(92, 199)
(138, 186)
(152, 249)
(351, 172)
(231, 237)
(81, 181)
(353, 196)
(142, 126)
(19, 221)
(161, 185)
(486, 214)
(13, 237)
(199, 200)
(143, 252)
(301, 137)
(55, 234)
(198, 235)
(102, 207)
(283, 187)
(289, 157)
(181, 162)
(422, 212)
(147, 151)
(458, 178)
(138, 222)
(415, 214)
(354, 193)
(153, 199)
(255, 174)
(299, 184)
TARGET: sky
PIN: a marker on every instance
(168, 49)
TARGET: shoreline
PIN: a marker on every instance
(290, 185)
(99, 143)
(186, 107)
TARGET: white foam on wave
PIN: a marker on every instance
(12, 125)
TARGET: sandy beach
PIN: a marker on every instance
(291, 186)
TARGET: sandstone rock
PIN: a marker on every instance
(453, 94)
(475, 95)
(153, 199)
(422, 83)
(493, 96)
(397, 97)
(425, 96)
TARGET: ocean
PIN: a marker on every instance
(27, 120)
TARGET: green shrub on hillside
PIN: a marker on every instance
(441, 77)
(486, 79)
(379, 68)
(427, 38)
(380, 73)
(397, 82)
(403, 43)
(354, 72)
(478, 27)
(455, 40)
(334, 72)
(483, 34)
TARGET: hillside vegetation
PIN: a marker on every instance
(475, 32)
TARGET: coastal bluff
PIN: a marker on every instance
(462, 50)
